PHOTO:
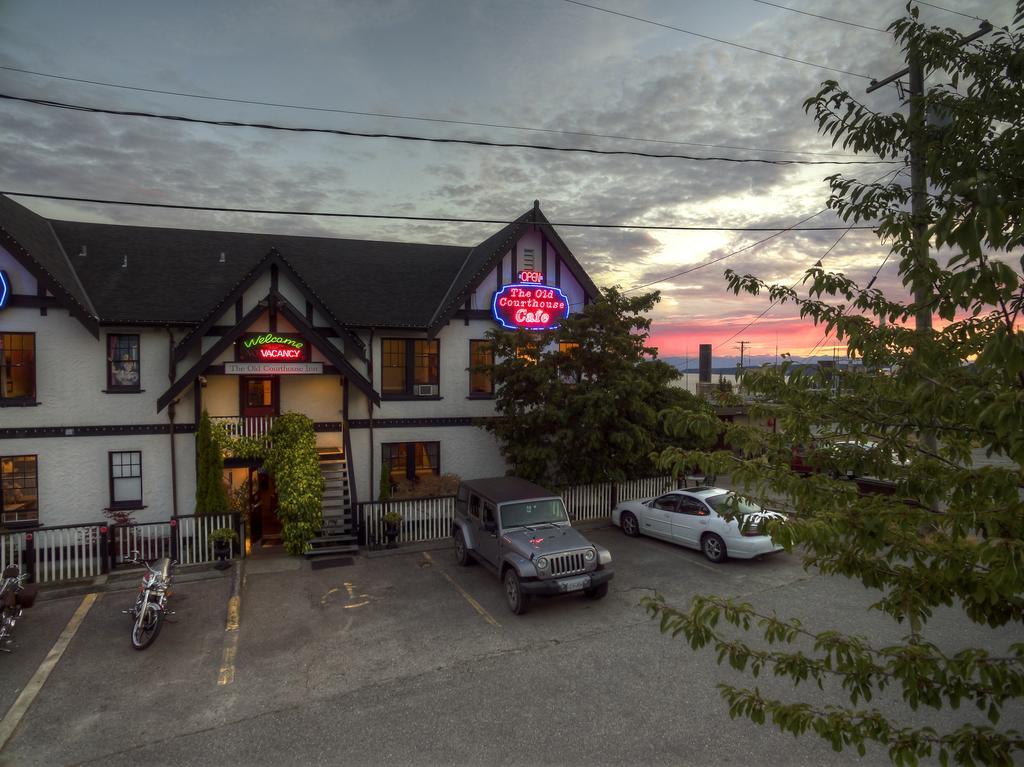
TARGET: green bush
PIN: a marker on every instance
(211, 495)
(293, 460)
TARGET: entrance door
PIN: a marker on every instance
(259, 396)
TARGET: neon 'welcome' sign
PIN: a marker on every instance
(5, 288)
(530, 306)
(273, 347)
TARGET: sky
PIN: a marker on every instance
(552, 65)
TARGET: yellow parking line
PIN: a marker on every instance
(35, 684)
(476, 605)
(226, 674)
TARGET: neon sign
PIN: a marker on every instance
(530, 307)
(531, 276)
(273, 347)
(5, 288)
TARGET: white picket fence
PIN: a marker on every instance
(430, 519)
(76, 551)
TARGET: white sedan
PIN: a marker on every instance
(692, 518)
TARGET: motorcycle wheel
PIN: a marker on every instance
(147, 626)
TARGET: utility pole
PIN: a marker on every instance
(739, 368)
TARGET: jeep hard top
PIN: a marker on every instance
(521, 531)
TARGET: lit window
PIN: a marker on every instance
(18, 368)
(19, 489)
(409, 363)
(122, 362)
(126, 480)
(480, 381)
(410, 460)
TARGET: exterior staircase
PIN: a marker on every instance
(338, 535)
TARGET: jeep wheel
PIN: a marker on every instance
(518, 602)
(461, 552)
(598, 592)
(629, 525)
(713, 547)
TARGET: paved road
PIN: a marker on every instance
(412, 660)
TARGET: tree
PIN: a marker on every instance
(950, 534)
(580, 403)
(295, 464)
(211, 495)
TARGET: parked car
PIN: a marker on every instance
(839, 458)
(695, 518)
(521, 532)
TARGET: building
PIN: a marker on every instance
(114, 339)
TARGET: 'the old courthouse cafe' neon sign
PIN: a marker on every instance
(529, 305)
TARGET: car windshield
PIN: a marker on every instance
(533, 513)
(723, 504)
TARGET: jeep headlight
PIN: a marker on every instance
(589, 555)
(542, 563)
(605, 557)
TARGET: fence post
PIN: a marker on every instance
(357, 521)
(104, 551)
(615, 495)
(29, 557)
(174, 538)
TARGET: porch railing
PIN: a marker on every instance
(429, 519)
(67, 552)
(244, 426)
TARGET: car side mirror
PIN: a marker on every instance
(491, 526)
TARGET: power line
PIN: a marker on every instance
(389, 116)
(719, 40)
(948, 10)
(434, 219)
(404, 137)
(825, 18)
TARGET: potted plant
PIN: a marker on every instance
(392, 520)
(221, 540)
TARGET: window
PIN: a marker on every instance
(17, 367)
(122, 362)
(126, 480)
(410, 460)
(19, 489)
(693, 507)
(481, 384)
(409, 366)
(666, 502)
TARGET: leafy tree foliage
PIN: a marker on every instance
(293, 460)
(951, 534)
(580, 404)
(211, 494)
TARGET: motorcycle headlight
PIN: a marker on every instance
(589, 555)
(542, 563)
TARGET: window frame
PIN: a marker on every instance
(489, 352)
(112, 385)
(410, 473)
(409, 367)
(14, 523)
(127, 504)
(29, 399)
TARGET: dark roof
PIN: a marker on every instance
(31, 240)
(504, 489)
(153, 275)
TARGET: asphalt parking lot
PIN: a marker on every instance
(409, 659)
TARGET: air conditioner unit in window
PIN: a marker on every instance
(425, 390)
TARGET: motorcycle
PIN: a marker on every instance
(15, 596)
(150, 607)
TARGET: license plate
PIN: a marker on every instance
(574, 584)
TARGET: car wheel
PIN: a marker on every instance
(518, 602)
(461, 552)
(713, 547)
(629, 525)
(598, 592)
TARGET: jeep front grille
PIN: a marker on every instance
(569, 563)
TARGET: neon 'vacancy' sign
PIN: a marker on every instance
(530, 306)
(273, 347)
(5, 288)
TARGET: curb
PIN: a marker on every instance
(123, 581)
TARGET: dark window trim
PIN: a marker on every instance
(123, 505)
(23, 401)
(480, 394)
(410, 455)
(410, 369)
(22, 523)
(116, 388)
